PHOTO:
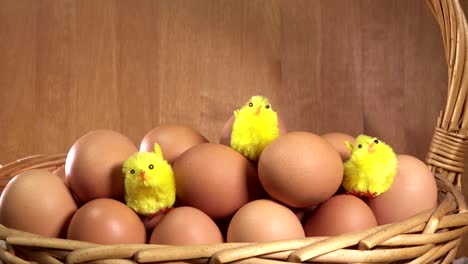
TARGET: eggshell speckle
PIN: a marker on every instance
(300, 169)
(215, 179)
(413, 191)
(339, 215)
(186, 226)
(264, 221)
(107, 221)
(37, 201)
(173, 140)
(93, 166)
(337, 140)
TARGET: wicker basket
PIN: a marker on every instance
(432, 236)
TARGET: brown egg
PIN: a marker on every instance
(173, 140)
(339, 215)
(186, 226)
(300, 169)
(37, 201)
(264, 221)
(107, 221)
(414, 190)
(227, 130)
(94, 165)
(337, 140)
(215, 179)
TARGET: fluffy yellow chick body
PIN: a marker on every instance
(371, 167)
(149, 182)
(255, 126)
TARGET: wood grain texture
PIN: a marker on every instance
(361, 66)
(354, 66)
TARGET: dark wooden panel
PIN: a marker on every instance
(372, 67)
(361, 66)
(94, 68)
(54, 116)
(18, 73)
(137, 53)
(213, 57)
(321, 66)
(326, 65)
(404, 74)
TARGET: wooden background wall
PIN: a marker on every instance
(67, 67)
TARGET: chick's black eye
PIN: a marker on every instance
(267, 106)
(132, 171)
(250, 104)
(376, 141)
(359, 146)
(151, 166)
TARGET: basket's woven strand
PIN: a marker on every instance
(188, 252)
(55, 243)
(178, 250)
(59, 254)
(431, 236)
(453, 28)
(446, 153)
(112, 261)
(39, 256)
(450, 256)
(111, 251)
(7, 257)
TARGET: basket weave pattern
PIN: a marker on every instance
(431, 236)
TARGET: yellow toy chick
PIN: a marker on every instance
(149, 183)
(371, 167)
(255, 126)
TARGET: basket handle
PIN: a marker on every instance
(450, 140)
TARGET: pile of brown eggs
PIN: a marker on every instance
(292, 192)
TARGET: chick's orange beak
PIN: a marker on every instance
(371, 148)
(143, 175)
(257, 112)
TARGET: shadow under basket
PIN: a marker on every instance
(432, 236)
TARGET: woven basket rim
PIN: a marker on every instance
(433, 235)
(401, 239)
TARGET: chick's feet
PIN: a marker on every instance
(367, 194)
(355, 193)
